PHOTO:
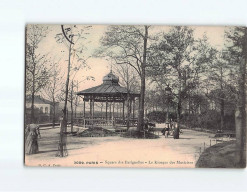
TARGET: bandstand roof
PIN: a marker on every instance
(109, 90)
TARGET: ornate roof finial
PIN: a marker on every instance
(110, 78)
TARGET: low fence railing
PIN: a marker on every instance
(87, 122)
(123, 122)
(210, 142)
(101, 122)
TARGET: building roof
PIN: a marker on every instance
(109, 87)
(37, 100)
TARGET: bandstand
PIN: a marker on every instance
(114, 99)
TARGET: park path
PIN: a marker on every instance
(117, 151)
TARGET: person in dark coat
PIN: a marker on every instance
(31, 139)
(167, 129)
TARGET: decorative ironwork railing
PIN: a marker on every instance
(101, 122)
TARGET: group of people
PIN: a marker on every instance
(166, 131)
(169, 128)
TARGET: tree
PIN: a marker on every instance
(220, 83)
(177, 53)
(37, 74)
(236, 39)
(54, 87)
(71, 37)
(128, 45)
(127, 79)
(154, 99)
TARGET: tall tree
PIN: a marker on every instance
(128, 45)
(72, 36)
(176, 53)
(36, 71)
(237, 48)
(218, 80)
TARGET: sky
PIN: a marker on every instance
(100, 67)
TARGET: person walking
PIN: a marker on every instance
(167, 129)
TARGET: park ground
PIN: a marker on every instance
(117, 151)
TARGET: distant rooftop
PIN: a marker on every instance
(37, 100)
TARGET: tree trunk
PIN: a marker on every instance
(63, 128)
(222, 101)
(142, 96)
(240, 115)
(53, 113)
(128, 111)
(189, 118)
(240, 156)
(222, 108)
(76, 100)
(32, 107)
(33, 87)
(141, 106)
(75, 110)
(71, 107)
(66, 92)
(176, 131)
(33, 95)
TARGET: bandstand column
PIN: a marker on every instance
(123, 111)
(133, 108)
(84, 106)
(130, 107)
(93, 108)
(113, 105)
(106, 105)
(110, 111)
(90, 105)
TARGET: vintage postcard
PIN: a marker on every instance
(135, 96)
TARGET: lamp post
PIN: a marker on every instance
(168, 93)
